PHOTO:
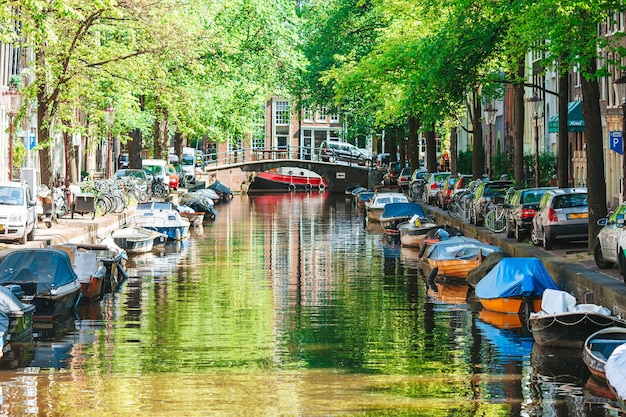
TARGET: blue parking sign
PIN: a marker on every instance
(615, 142)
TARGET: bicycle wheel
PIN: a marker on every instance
(495, 220)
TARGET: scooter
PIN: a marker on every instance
(44, 206)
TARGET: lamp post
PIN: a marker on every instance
(619, 86)
(110, 117)
(15, 98)
(490, 119)
(536, 103)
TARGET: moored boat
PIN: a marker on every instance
(43, 277)
(19, 316)
(598, 348)
(413, 232)
(395, 213)
(161, 217)
(287, 179)
(380, 200)
(514, 283)
(135, 239)
(456, 256)
(91, 272)
(563, 323)
(615, 370)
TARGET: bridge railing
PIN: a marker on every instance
(244, 155)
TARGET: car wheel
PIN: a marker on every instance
(23, 239)
(597, 256)
(621, 262)
(519, 236)
(534, 236)
(31, 235)
(547, 241)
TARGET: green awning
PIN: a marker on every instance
(575, 121)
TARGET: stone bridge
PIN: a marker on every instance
(237, 175)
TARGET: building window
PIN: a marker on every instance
(334, 118)
(321, 114)
(282, 113)
(258, 131)
(308, 115)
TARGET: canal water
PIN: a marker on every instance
(290, 305)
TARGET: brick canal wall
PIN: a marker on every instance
(588, 285)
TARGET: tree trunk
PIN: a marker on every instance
(43, 129)
(478, 154)
(413, 143)
(518, 128)
(563, 142)
(596, 182)
(454, 171)
(136, 143)
(431, 150)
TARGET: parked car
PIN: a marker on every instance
(393, 173)
(404, 179)
(416, 186)
(606, 248)
(139, 174)
(462, 184)
(122, 161)
(174, 178)
(18, 212)
(333, 151)
(432, 184)
(562, 214)
(521, 209)
(486, 193)
(444, 194)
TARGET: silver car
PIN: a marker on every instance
(563, 214)
(606, 249)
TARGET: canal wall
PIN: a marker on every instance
(586, 284)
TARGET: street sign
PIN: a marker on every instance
(615, 142)
(31, 141)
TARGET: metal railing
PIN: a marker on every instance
(218, 159)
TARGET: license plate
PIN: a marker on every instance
(578, 216)
(1, 227)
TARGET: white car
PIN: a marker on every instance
(607, 246)
(18, 212)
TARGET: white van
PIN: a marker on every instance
(189, 165)
(157, 168)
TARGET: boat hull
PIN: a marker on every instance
(509, 305)
(51, 305)
(273, 182)
(453, 268)
(20, 325)
(598, 348)
(569, 330)
(413, 236)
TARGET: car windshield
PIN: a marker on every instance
(131, 173)
(11, 196)
(188, 160)
(494, 192)
(532, 196)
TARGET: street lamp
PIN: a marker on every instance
(110, 117)
(536, 103)
(619, 86)
(490, 119)
(15, 98)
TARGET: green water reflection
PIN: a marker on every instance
(288, 305)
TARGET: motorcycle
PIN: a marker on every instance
(61, 206)
(44, 206)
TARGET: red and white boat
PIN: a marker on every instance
(287, 179)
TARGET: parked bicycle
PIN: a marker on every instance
(159, 188)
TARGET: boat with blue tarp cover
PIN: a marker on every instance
(512, 283)
(43, 277)
(395, 213)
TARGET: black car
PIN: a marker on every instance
(521, 209)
